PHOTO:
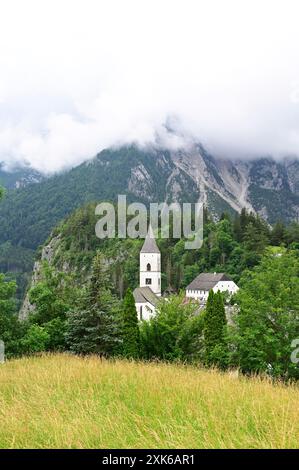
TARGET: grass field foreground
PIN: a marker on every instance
(56, 401)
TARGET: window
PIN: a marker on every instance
(148, 267)
(148, 281)
(140, 311)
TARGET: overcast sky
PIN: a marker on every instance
(79, 76)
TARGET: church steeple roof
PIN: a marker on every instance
(150, 245)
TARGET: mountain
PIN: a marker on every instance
(19, 177)
(270, 188)
(29, 211)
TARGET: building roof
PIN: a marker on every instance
(150, 245)
(206, 281)
(145, 294)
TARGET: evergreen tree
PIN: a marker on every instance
(237, 228)
(130, 328)
(208, 318)
(278, 234)
(255, 242)
(92, 327)
(214, 330)
(243, 222)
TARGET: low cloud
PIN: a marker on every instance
(77, 77)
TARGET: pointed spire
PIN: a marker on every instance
(150, 245)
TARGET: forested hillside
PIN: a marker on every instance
(230, 245)
(80, 298)
(29, 213)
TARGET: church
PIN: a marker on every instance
(148, 294)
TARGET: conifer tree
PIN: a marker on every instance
(277, 234)
(237, 228)
(243, 222)
(208, 322)
(130, 328)
(218, 300)
(214, 329)
(92, 327)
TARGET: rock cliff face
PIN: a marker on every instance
(265, 186)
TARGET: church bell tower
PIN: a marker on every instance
(150, 264)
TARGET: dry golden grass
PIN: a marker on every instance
(63, 401)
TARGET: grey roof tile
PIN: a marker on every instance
(206, 281)
(145, 294)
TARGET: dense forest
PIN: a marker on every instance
(29, 212)
(83, 298)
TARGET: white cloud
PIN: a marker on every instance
(78, 76)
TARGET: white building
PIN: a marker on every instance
(199, 288)
(149, 291)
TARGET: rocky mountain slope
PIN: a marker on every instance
(28, 213)
(270, 188)
(18, 177)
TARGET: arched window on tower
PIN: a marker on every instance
(148, 267)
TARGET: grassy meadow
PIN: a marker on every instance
(55, 401)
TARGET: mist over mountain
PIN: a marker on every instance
(225, 74)
(265, 186)
(18, 177)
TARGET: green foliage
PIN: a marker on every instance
(16, 262)
(51, 296)
(7, 290)
(268, 317)
(214, 330)
(35, 340)
(129, 327)
(278, 234)
(10, 330)
(56, 330)
(92, 326)
(174, 333)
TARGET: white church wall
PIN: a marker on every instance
(153, 258)
(145, 311)
(152, 277)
